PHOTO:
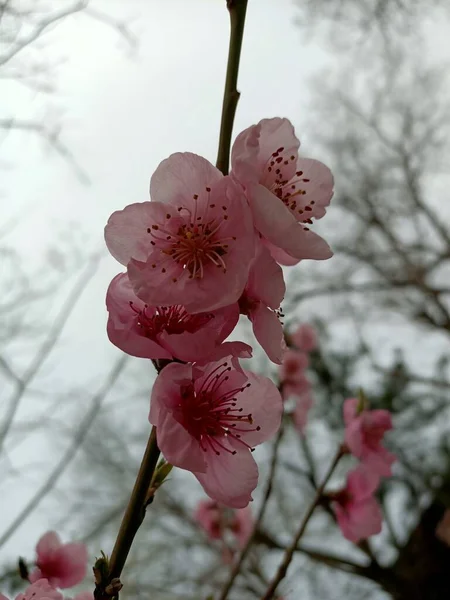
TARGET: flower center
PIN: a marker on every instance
(193, 240)
(288, 187)
(211, 414)
(171, 319)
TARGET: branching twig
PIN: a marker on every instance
(290, 551)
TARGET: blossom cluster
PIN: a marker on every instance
(57, 566)
(294, 382)
(357, 511)
(206, 248)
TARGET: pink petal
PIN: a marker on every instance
(350, 410)
(244, 156)
(319, 188)
(263, 401)
(265, 280)
(234, 349)
(182, 175)
(166, 390)
(304, 337)
(276, 133)
(47, 544)
(277, 224)
(40, 590)
(126, 231)
(280, 256)
(73, 564)
(230, 479)
(362, 483)
(178, 446)
(269, 332)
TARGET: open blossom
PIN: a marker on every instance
(216, 520)
(39, 590)
(164, 331)
(364, 432)
(261, 299)
(285, 192)
(208, 420)
(192, 244)
(63, 565)
(304, 338)
(357, 511)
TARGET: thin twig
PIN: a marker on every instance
(290, 551)
(47, 346)
(259, 519)
(237, 10)
(68, 456)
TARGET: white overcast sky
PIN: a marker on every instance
(122, 113)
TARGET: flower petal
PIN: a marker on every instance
(269, 332)
(230, 479)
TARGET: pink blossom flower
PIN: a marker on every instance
(364, 432)
(64, 565)
(303, 405)
(357, 511)
(164, 332)
(216, 519)
(261, 298)
(293, 366)
(209, 418)
(285, 192)
(304, 338)
(192, 245)
(39, 590)
(242, 525)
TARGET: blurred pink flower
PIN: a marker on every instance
(164, 332)
(209, 516)
(64, 565)
(357, 511)
(364, 432)
(242, 525)
(303, 405)
(293, 366)
(285, 192)
(39, 590)
(209, 418)
(304, 338)
(216, 519)
(193, 244)
(262, 296)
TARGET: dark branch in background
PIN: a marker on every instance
(70, 453)
(292, 548)
(237, 10)
(259, 519)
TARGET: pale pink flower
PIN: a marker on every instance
(293, 366)
(209, 418)
(164, 332)
(64, 565)
(304, 338)
(216, 519)
(357, 511)
(364, 432)
(261, 299)
(193, 244)
(285, 192)
(39, 590)
(242, 525)
(443, 528)
(210, 518)
(304, 403)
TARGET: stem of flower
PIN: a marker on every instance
(135, 511)
(290, 551)
(237, 10)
